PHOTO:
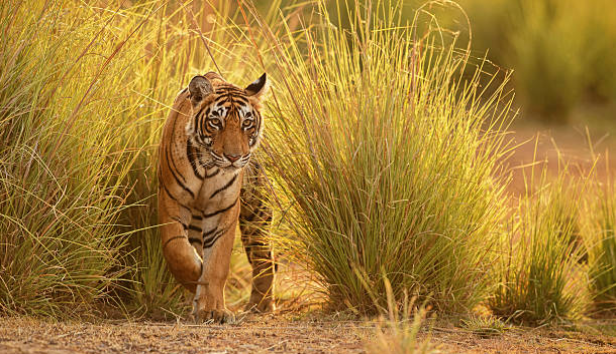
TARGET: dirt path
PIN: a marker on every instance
(254, 335)
(267, 334)
(524, 341)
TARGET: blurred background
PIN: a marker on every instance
(563, 57)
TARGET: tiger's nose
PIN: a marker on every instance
(232, 157)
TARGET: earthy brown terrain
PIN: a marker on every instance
(270, 334)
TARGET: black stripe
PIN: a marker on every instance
(168, 157)
(207, 234)
(195, 240)
(190, 153)
(197, 123)
(212, 235)
(173, 238)
(180, 221)
(174, 198)
(213, 174)
(258, 120)
(209, 129)
(229, 184)
(205, 165)
(197, 217)
(202, 119)
(241, 99)
(214, 238)
(221, 210)
(234, 98)
(257, 213)
(194, 228)
(174, 165)
(192, 194)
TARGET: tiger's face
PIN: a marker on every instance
(226, 122)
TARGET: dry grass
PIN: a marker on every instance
(278, 334)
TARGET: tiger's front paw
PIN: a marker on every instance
(209, 307)
(214, 316)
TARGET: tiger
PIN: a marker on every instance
(208, 183)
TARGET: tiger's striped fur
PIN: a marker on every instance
(207, 181)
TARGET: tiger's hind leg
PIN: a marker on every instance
(255, 219)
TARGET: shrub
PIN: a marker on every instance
(84, 94)
(602, 251)
(539, 272)
(388, 160)
(61, 188)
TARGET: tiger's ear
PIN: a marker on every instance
(199, 88)
(258, 88)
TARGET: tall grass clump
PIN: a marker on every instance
(602, 251)
(541, 278)
(61, 171)
(387, 159)
(84, 92)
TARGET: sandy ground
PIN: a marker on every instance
(523, 341)
(269, 334)
(255, 335)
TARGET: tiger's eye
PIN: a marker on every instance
(215, 123)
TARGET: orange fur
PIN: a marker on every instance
(204, 164)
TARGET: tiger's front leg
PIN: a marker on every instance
(209, 301)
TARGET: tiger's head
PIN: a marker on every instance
(226, 121)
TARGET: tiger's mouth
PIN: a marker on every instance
(230, 166)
